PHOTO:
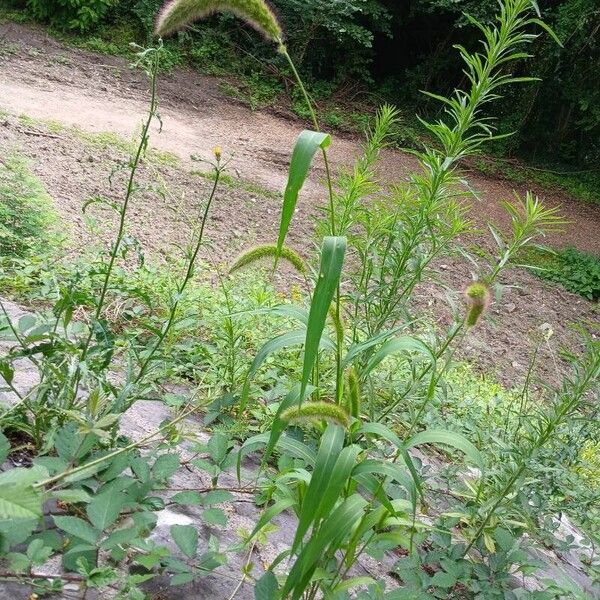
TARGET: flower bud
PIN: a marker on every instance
(478, 299)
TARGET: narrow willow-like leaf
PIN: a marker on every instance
(285, 444)
(177, 14)
(270, 513)
(448, 438)
(388, 469)
(333, 251)
(307, 144)
(270, 250)
(404, 343)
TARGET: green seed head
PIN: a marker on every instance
(478, 300)
(269, 251)
(352, 393)
(313, 412)
(177, 14)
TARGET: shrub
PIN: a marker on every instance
(26, 211)
(81, 15)
(576, 271)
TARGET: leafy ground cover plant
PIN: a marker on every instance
(576, 271)
(339, 427)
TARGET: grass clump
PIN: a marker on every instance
(27, 214)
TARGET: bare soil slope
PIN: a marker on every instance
(47, 80)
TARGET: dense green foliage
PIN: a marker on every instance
(26, 212)
(393, 48)
(576, 271)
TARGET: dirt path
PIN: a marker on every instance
(46, 80)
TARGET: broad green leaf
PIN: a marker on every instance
(181, 579)
(333, 251)
(76, 527)
(331, 445)
(4, 447)
(448, 438)
(37, 552)
(443, 580)
(186, 538)
(307, 144)
(217, 497)
(18, 498)
(266, 588)
(214, 516)
(217, 446)
(120, 537)
(71, 496)
(104, 509)
(337, 526)
(353, 582)
(17, 562)
(165, 466)
(189, 497)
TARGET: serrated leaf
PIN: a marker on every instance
(217, 497)
(443, 580)
(18, 562)
(105, 508)
(4, 447)
(76, 527)
(266, 588)
(214, 516)
(71, 496)
(181, 579)
(165, 466)
(120, 537)
(193, 498)
(18, 498)
(37, 552)
(186, 538)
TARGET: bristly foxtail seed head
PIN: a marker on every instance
(478, 299)
(177, 14)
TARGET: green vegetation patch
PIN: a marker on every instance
(584, 185)
(27, 213)
(576, 271)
